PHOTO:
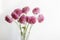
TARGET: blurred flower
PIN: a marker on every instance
(18, 11)
(36, 10)
(8, 19)
(40, 18)
(31, 20)
(25, 9)
(22, 19)
(14, 15)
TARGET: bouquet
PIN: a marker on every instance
(24, 21)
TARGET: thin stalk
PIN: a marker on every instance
(28, 33)
(20, 28)
(25, 31)
(27, 26)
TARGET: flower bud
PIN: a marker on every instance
(40, 18)
(25, 9)
(36, 10)
(14, 15)
(8, 19)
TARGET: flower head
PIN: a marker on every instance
(31, 20)
(18, 11)
(14, 15)
(22, 19)
(36, 10)
(40, 18)
(25, 9)
(8, 19)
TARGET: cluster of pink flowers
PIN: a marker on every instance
(22, 18)
(17, 14)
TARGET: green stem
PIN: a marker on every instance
(27, 26)
(20, 28)
(28, 33)
(25, 31)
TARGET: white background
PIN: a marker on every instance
(47, 30)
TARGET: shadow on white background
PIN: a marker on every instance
(47, 30)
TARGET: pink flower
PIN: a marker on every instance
(14, 15)
(40, 18)
(22, 19)
(25, 9)
(18, 11)
(8, 19)
(31, 20)
(36, 10)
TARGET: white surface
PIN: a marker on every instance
(48, 30)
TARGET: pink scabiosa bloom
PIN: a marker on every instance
(40, 18)
(36, 10)
(31, 20)
(18, 11)
(22, 19)
(14, 15)
(25, 9)
(8, 19)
